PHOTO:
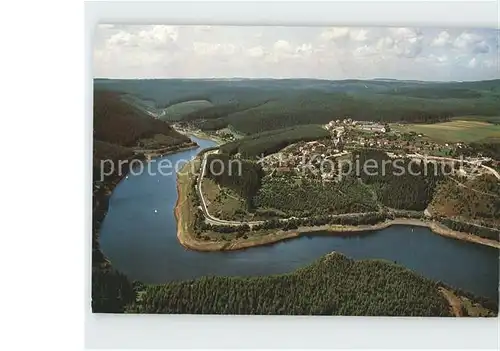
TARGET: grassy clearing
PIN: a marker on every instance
(454, 131)
(486, 119)
(223, 202)
(176, 111)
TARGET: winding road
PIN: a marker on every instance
(208, 217)
(217, 221)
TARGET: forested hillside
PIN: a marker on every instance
(334, 285)
(473, 199)
(266, 143)
(119, 123)
(118, 126)
(274, 114)
(259, 105)
(308, 198)
(402, 185)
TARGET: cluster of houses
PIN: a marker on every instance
(225, 134)
(297, 156)
(363, 125)
(347, 134)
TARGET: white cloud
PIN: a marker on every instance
(121, 39)
(256, 51)
(334, 52)
(441, 59)
(159, 34)
(282, 46)
(466, 39)
(471, 42)
(472, 63)
(204, 48)
(366, 50)
(442, 39)
(355, 34)
(407, 42)
(334, 33)
(385, 43)
(359, 35)
(481, 48)
(152, 37)
(399, 42)
(304, 49)
(283, 50)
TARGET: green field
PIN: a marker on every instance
(487, 119)
(223, 203)
(454, 131)
(177, 111)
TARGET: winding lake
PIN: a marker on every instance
(139, 236)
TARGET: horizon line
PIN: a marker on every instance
(294, 78)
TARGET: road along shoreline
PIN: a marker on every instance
(183, 213)
(162, 152)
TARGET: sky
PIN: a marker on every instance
(164, 51)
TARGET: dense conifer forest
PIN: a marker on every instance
(273, 115)
(403, 185)
(305, 197)
(254, 106)
(119, 123)
(269, 142)
(334, 285)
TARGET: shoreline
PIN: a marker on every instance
(152, 155)
(202, 135)
(102, 200)
(189, 241)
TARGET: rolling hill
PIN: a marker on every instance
(257, 105)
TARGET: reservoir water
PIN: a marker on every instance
(139, 237)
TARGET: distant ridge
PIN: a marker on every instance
(270, 79)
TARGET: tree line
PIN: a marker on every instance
(367, 218)
(117, 122)
(269, 142)
(483, 232)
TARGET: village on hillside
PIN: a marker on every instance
(348, 135)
